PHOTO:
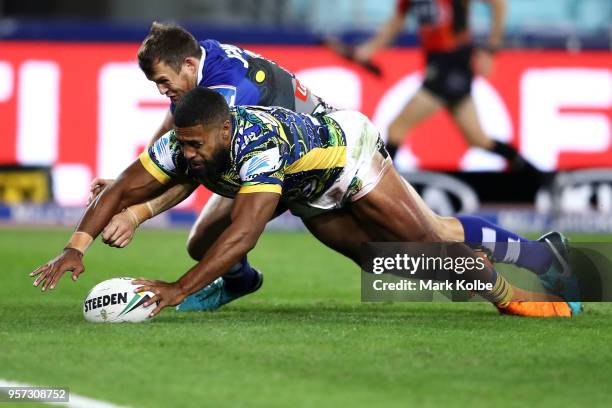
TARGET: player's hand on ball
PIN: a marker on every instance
(119, 231)
(51, 272)
(166, 294)
(96, 187)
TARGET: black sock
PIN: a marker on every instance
(505, 150)
(516, 161)
(241, 278)
(392, 149)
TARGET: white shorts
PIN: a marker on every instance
(364, 167)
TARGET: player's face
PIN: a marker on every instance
(206, 148)
(175, 84)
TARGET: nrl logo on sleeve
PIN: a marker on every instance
(265, 162)
(164, 150)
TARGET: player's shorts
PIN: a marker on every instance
(366, 162)
(449, 75)
(278, 87)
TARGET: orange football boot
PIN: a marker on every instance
(536, 309)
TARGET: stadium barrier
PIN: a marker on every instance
(583, 204)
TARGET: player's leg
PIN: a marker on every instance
(392, 212)
(342, 232)
(472, 230)
(466, 117)
(546, 259)
(212, 221)
(339, 231)
(422, 105)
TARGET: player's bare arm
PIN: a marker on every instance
(483, 63)
(383, 37)
(498, 16)
(122, 227)
(166, 125)
(134, 185)
(250, 213)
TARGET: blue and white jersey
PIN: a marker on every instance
(243, 77)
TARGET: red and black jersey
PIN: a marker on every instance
(443, 24)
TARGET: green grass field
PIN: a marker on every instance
(304, 339)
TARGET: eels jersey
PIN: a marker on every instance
(272, 150)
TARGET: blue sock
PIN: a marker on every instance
(506, 246)
(241, 278)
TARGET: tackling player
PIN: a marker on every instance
(332, 171)
(451, 61)
(176, 62)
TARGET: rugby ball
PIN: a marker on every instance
(114, 301)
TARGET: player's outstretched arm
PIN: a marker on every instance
(122, 227)
(166, 125)
(250, 213)
(483, 58)
(498, 15)
(134, 185)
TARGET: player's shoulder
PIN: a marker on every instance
(256, 114)
(218, 49)
(166, 154)
(252, 122)
(166, 146)
(256, 129)
(210, 45)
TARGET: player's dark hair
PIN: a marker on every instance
(167, 43)
(201, 106)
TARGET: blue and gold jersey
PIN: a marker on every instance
(272, 150)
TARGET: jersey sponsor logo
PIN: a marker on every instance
(301, 92)
(162, 153)
(266, 162)
(227, 91)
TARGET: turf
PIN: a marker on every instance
(304, 339)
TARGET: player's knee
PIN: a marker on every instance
(448, 229)
(482, 143)
(428, 236)
(195, 249)
(197, 245)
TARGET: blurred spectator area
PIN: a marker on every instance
(531, 23)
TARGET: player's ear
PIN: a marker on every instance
(191, 64)
(227, 130)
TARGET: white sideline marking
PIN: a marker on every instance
(76, 401)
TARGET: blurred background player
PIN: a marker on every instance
(452, 61)
(176, 62)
